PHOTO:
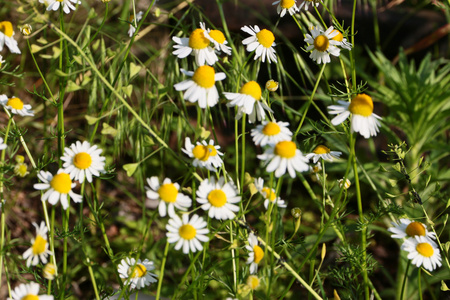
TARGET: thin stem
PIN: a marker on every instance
(402, 293)
(161, 273)
(419, 279)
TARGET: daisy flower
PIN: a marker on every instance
(322, 44)
(272, 85)
(262, 41)
(58, 188)
(253, 282)
(49, 271)
(271, 133)
(346, 184)
(39, 246)
(249, 102)
(284, 155)
(137, 272)
(6, 37)
(324, 153)
(286, 5)
(407, 228)
(201, 88)
(55, 4)
(132, 29)
(81, 160)
(305, 3)
(16, 106)
(27, 291)
(256, 253)
(270, 196)
(205, 155)
(168, 196)
(340, 38)
(187, 233)
(218, 198)
(422, 252)
(363, 119)
(198, 44)
(217, 38)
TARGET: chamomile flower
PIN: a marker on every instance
(198, 44)
(270, 196)
(363, 119)
(271, 132)
(168, 196)
(255, 254)
(422, 252)
(6, 37)
(286, 6)
(201, 88)
(340, 38)
(253, 282)
(132, 29)
(249, 102)
(187, 233)
(284, 155)
(57, 188)
(407, 228)
(306, 3)
(217, 38)
(262, 41)
(136, 273)
(49, 271)
(206, 155)
(218, 198)
(322, 44)
(2, 144)
(324, 153)
(54, 5)
(81, 160)
(16, 106)
(272, 85)
(39, 246)
(28, 291)
(345, 184)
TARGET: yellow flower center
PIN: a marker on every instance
(49, 271)
(217, 198)
(139, 271)
(253, 89)
(338, 37)
(415, 228)
(204, 152)
(285, 149)
(204, 76)
(82, 160)
(21, 170)
(197, 39)
(321, 43)
(7, 28)
(217, 36)
(30, 297)
(321, 149)
(168, 192)
(272, 85)
(271, 128)
(61, 183)
(425, 249)
(287, 3)
(362, 105)
(265, 38)
(15, 103)
(270, 193)
(39, 245)
(187, 232)
(253, 282)
(259, 253)
(63, 0)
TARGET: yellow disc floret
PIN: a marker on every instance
(168, 192)
(259, 254)
(7, 28)
(265, 38)
(253, 89)
(253, 282)
(415, 228)
(187, 232)
(82, 160)
(139, 271)
(30, 297)
(425, 249)
(338, 37)
(212, 150)
(362, 105)
(204, 76)
(217, 35)
(321, 43)
(39, 245)
(201, 152)
(15, 103)
(271, 128)
(61, 183)
(272, 85)
(197, 39)
(285, 149)
(287, 3)
(217, 198)
(270, 193)
(321, 149)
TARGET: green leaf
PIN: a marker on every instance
(130, 168)
(78, 59)
(72, 86)
(109, 130)
(134, 69)
(95, 45)
(42, 41)
(444, 287)
(91, 120)
(127, 90)
(56, 52)
(61, 73)
(35, 48)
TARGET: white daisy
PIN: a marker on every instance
(340, 38)
(269, 194)
(271, 133)
(262, 41)
(49, 271)
(201, 88)
(197, 44)
(272, 85)
(58, 188)
(346, 184)
(187, 233)
(55, 4)
(249, 102)
(407, 228)
(256, 253)
(28, 291)
(39, 246)
(324, 153)
(286, 5)
(168, 196)
(423, 252)
(218, 198)
(132, 29)
(217, 38)
(284, 155)
(306, 3)
(322, 44)
(82, 161)
(206, 155)
(363, 119)
(6, 37)
(16, 106)
(136, 273)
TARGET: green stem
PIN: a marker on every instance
(161, 273)
(419, 279)
(402, 293)
(243, 157)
